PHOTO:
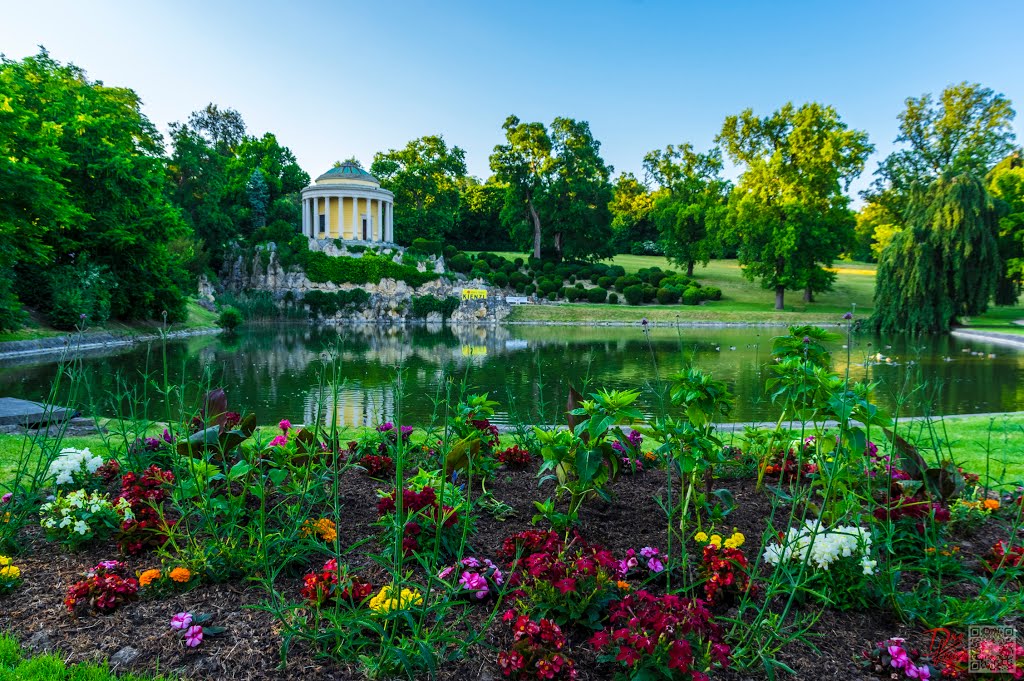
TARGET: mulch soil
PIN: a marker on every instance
(137, 636)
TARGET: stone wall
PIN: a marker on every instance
(389, 299)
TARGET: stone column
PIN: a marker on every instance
(327, 216)
(391, 221)
(378, 233)
(357, 229)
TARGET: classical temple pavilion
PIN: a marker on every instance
(348, 203)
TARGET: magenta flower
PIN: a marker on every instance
(285, 425)
(848, 315)
(655, 565)
(471, 581)
(445, 573)
(279, 441)
(648, 552)
(5, 498)
(921, 672)
(194, 636)
(181, 621)
(899, 657)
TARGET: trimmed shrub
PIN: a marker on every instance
(613, 298)
(668, 296)
(329, 303)
(529, 289)
(425, 246)
(691, 296)
(605, 282)
(616, 271)
(710, 293)
(597, 295)
(460, 262)
(369, 268)
(518, 262)
(499, 279)
(650, 293)
(449, 251)
(548, 267)
(553, 295)
(579, 284)
(634, 294)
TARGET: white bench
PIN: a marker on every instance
(517, 300)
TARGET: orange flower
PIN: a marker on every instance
(623, 585)
(181, 575)
(991, 504)
(148, 577)
(323, 528)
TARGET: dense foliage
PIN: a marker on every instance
(369, 268)
(82, 181)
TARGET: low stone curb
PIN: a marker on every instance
(88, 341)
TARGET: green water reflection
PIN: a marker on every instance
(275, 370)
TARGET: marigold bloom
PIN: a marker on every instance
(623, 585)
(991, 504)
(701, 537)
(181, 575)
(715, 540)
(735, 541)
(148, 577)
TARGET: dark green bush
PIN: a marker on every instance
(710, 293)
(365, 270)
(553, 295)
(620, 284)
(535, 263)
(423, 305)
(499, 279)
(650, 293)
(634, 294)
(449, 251)
(80, 294)
(547, 267)
(597, 295)
(329, 303)
(579, 284)
(668, 296)
(691, 296)
(616, 271)
(518, 262)
(230, 318)
(529, 289)
(460, 263)
(605, 282)
(613, 298)
(425, 246)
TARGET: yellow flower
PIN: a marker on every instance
(181, 575)
(323, 528)
(10, 572)
(700, 537)
(991, 504)
(387, 599)
(715, 540)
(4, 560)
(149, 576)
(735, 541)
(623, 585)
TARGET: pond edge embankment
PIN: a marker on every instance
(1007, 339)
(95, 340)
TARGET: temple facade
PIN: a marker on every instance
(348, 203)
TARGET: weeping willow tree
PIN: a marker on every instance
(944, 264)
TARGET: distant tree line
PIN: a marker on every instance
(101, 216)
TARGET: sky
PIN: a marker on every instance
(349, 78)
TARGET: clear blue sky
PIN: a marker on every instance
(339, 79)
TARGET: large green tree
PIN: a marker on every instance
(1005, 183)
(95, 191)
(968, 130)
(424, 177)
(558, 187)
(789, 212)
(632, 225)
(944, 263)
(692, 206)
(479, 226)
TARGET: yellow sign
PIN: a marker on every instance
(474, 293)
(473, 350)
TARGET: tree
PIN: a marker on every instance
(479, 222)
(632, 225)
(558, 187)
(282, 175)
(111, 206)
(944, 264)
(523, 166)
(259, 198)
(223, 129)
(874, 226)
(424, 176)
(967, 131)
(789, 211)
(692, 206)
(1005, 184)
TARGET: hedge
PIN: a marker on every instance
(634, 294)
(369, 269)
(424, 305)
(329, 303)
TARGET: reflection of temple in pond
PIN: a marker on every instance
(354, 406)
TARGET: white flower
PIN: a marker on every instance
(81, 527)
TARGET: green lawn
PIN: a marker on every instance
(742, 300)
(198, 318)
(999, 319)
(52, 667)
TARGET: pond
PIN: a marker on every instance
(278, 371)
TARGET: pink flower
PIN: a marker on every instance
(279, 441)
(445, 573)
(655, 565)
(181, 621)
(648, 552)
(899, 657)
(194, 636)
(471, 581)
(285, 425)
(921, 672)
(5, 498)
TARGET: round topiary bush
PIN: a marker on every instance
(613, 298)
(650, 293)
(634, 294)
(710, 293)
(605, 282)
(499, 279)
(691, 296)
(616, 271)
(597, 295)
(460, 262)
(518, 262)
(668, 296)
(553, 295)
